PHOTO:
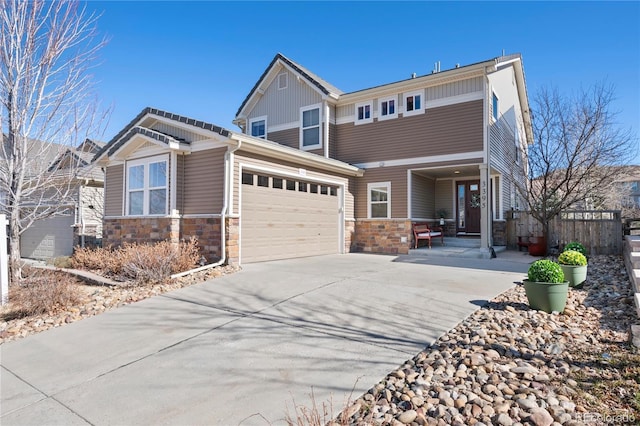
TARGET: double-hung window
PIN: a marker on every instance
(387, 108)
(258, 127)
(413, 103)
(147, 186)
(310, 127)
(364, 112)
(379, 200)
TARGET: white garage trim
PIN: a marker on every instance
(301, 175)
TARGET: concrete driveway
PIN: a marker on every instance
(243, 348)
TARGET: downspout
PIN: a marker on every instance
(228, 157)
(81, 214)
(326, 129)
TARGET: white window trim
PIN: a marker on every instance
(146, 188)
(364, 120)
(388, 116)
(320, 121)
(495, 116)
(256, 119)
(387, 186)
(286, 80)
(415, 111)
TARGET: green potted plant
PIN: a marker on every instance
(442, 214)
(546, 287)
(574, 267)
(575, 246)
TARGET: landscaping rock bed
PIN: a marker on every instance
(509, 365)
(97, 299)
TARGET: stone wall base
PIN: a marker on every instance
(388, 236)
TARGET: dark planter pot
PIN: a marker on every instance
(537, 246)
(548, 297)
(576, 275)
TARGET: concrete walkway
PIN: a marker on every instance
(243, 348)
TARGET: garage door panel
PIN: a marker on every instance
(280, 224)
(48, 238)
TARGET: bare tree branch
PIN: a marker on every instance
(47, 106)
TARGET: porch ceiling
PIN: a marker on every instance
(452, 172)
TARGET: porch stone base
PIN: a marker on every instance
(349, 235)
(232, 229)
(382, 236)
(499, 233)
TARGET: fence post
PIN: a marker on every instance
(4, 261)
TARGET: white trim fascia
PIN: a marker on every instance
(421, 82)
(145, 138)
(205, 145)
(450, 100)
(345, 120)
(421, 160)
(284, 126)
(301, 158)
(301, 130)
(286, 173)
(198, 130)
(266, 128)
(200, 216)
(387, 185)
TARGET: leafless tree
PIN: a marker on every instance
(47, 50)
(577, 154)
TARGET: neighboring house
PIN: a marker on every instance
(78, 221)
(316, 171)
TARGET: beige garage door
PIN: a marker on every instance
(48, 238)
(284, 218)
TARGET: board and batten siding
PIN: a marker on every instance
(203, 182)
(398, 178)
(311, 175)
(450, 129)
(422, 197)
(282, 106)
(113, 196)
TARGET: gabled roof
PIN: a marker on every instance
(317, 82)
(132, 128)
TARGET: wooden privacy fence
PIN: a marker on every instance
(600, 231)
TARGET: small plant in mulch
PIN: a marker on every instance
(139, 263)
(41, 292)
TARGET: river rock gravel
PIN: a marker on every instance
(509, 365)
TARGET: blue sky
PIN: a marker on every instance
(201, 59)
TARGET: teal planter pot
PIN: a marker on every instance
(548, 297)
(576, 275)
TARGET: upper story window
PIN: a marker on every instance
(147, 186)
(364, 112)
(387, 108)
(495, 107)
(258, 127)
(283, 81)
(379, 200)
(413, 103)
(310, 127)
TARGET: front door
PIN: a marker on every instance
(468, 206)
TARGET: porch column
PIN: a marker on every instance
(485, 212)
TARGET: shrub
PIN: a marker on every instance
(142, 263)
(545, 271)
(575, 246)
(42, 291)
(572, 257)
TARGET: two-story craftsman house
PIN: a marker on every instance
(316, 171)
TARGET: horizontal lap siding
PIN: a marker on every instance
(289, 137)
(113, 196)
(398, 178)
(444, 130)
(445, 197)
(422, 197)
(203, 182)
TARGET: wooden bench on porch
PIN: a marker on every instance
(422, 231)
(523, 242)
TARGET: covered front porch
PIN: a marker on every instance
(463, 200)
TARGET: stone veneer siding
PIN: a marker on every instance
(382, 236)
(232, 230)
(140, 230)
(349, 235)
(207, 231)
